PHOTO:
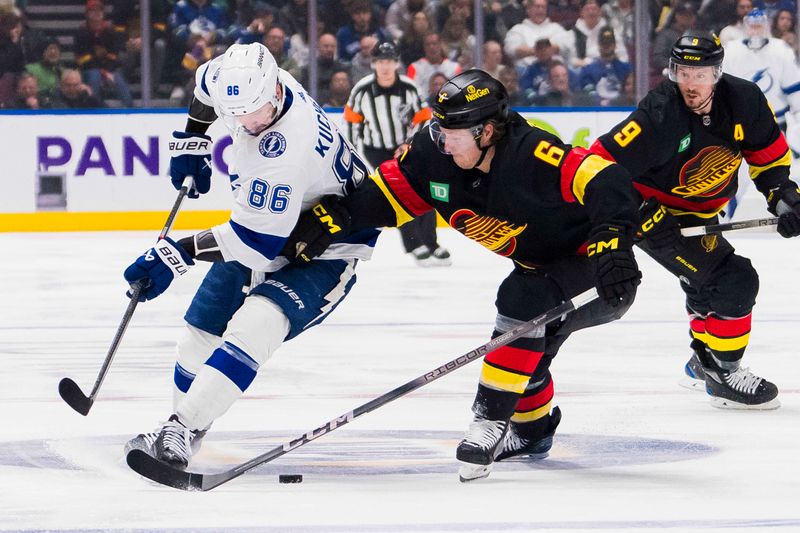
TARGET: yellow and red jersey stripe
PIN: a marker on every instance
(580, 166)
(405, 201)
(775, 155)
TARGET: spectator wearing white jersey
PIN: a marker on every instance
(433, 61)
(521, 38)
(734, 32)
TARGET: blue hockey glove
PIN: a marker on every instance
(784, 203)
(190, 156)
(155, 269)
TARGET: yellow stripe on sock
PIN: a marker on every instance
(530, 416)
(496, 378)
(718, 344)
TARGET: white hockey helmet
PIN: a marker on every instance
(756, 29)
(247, 80)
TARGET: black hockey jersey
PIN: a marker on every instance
(690, 162)
(538, 201)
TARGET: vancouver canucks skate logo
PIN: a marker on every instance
(272, 144)
(497, 235)
(708, 173)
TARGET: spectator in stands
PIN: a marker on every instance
(735, 30)
(12, 54)
(619, 15)
(256, 28)
(784, 27)
(628, 96)
(126, 18)
(492, 58)
(435, 83)
(339, 91)
(361, 64)
(771, 7)
(97, 52)
(327, 64)
(48, 69)
(275, 41)
(520, 39)
(560, 94)
(434, 60)
(714, 15)
(533, 80)
(510, 13)
(579, 46)
(294, 17)
(508, 77)
(455, 36)
(605, 76)
(195, 20)
(74, 94)
(681, 18)
(564, 12)
(442, 11)
(28, 96)
(362, 22)
(412, 45)
(400, 14)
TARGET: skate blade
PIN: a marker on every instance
(693, 384)
(525, 458)
(723, 403)
(471, 472)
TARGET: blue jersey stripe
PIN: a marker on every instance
(367, 236)
(203, 85)
(267, 245)
(236, 365)
(791, 88)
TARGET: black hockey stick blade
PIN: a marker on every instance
(72, 394)
(165, 474)
(145, 465)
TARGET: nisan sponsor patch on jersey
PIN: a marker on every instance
(272, 144)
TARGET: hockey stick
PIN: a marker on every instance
(769, 223)
(69, 390)
(163, 473)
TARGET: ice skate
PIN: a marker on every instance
(477, 450)
(534, 448)
(740, 389)
(422, 256)
(694, 376)
(440, 257)
(171, 447)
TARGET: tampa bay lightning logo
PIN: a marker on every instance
(272, 144)
(763, 79)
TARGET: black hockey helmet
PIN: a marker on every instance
(697, 49)
(386, 50)
(470, 99)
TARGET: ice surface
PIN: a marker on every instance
(634, 452)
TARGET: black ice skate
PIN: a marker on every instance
(740, 389)
(529, 447)
(477, 450)
(695, 376)
(441, 257)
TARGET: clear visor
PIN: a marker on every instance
(756, 30)
(688, 75)
(449, 141)
(252, 123)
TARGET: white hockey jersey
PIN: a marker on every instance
(280, 173)
(773, 68)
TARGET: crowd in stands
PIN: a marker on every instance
(546, 52)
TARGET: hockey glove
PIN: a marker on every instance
(784, 203)
(616, 273)
(316, 229)
(155, 269)
(190, 156)
(659, 227)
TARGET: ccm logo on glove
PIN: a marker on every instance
(602, 246)
(326, 219)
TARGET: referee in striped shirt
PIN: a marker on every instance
(382, 113)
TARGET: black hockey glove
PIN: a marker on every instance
(784, 203)
(659, 227)
(316, 229)
(615, 270)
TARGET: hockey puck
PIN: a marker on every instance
(290, 478)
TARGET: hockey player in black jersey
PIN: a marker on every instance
(565, 217)
(683, 147)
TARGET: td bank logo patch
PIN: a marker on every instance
(440, 191)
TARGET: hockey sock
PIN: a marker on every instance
(725, 337)
(533, 409)
(504, 376)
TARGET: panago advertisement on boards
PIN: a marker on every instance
(119, 162)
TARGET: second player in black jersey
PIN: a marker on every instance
(683, 146)
(563, 215)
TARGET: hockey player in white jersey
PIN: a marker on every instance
(286, 155)
(770, 63)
